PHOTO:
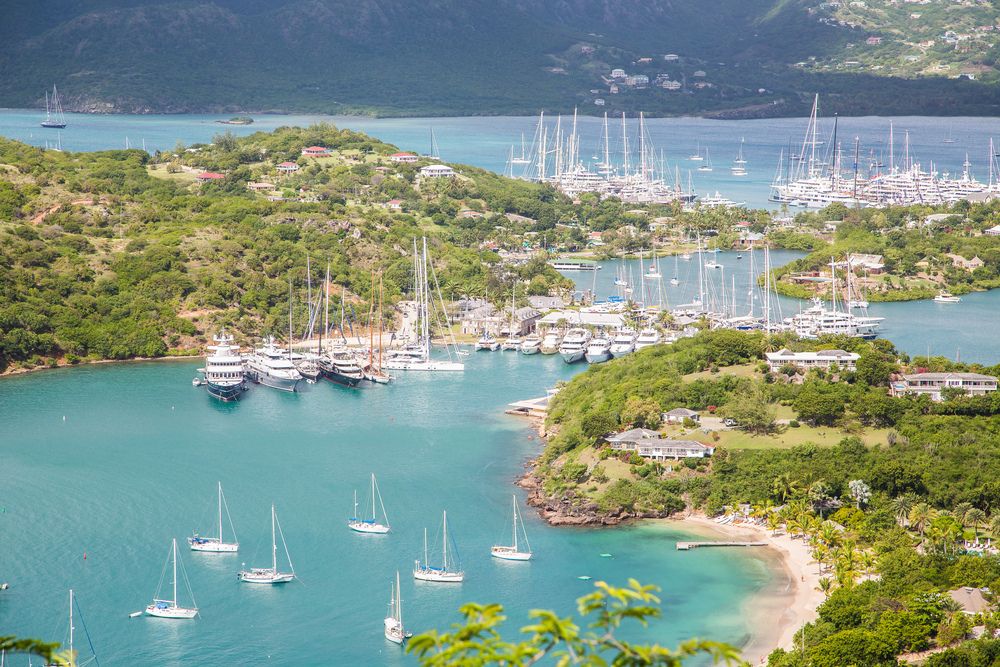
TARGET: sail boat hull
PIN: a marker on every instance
(264, 576)
(438, 576)
(212, 545)
(163, 610)
(368, 527)
(53, 125)
(394, 631)
(509, 553)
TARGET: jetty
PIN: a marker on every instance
(687, 546)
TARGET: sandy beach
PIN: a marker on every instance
(777, 613)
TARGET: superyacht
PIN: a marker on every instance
(223, 369)
(272, 367)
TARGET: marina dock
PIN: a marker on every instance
(687, 546)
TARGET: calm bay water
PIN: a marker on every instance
(112, 461)
(486, 141)
(964, 331)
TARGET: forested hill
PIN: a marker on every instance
(736, 57)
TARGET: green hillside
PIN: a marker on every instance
(390, 57)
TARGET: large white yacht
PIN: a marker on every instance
(223, 369)
(598, 350)
(646, 338)
(574, 345)
(272, 366)
(551, 342)
(623, 343)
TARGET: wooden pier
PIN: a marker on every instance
(687, 546)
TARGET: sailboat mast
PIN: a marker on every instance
(289, 317)
(220, 512)
(72, 658)
(514, 520)
(174, 601)
(274, 544)
(373, 496)
(326, 307)
(624, 147)
(425, 546)
(399, 602)
(444, 550)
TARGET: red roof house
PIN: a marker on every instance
(316, 151)
(206, 176)
(403, 157)
(288, 167)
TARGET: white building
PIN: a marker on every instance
(661, 449)
(993, 231)
(678, 415)
(575, 318)
(824, 359)
(437, 171)
(403, 158)
(973, 384)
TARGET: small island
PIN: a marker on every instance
(237, 120)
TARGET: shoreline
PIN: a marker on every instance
(778, 611)
(13, 372)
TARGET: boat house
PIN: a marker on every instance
(932, 384)
(824, 359)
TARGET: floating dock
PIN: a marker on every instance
(687, 546)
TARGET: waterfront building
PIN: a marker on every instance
(661, 449)
(403, 158)
(824, 359)
(932, 384)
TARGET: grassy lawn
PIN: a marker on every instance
(742, 370)
(823, 436)
(160, 171)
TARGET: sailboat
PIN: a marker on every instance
(739, 167)
(169, 608)
(653, 272)
(674, 281)
(270, 575)
(524, 159)
(369, 525)
(949, 139)
(75, 660)
(394, 630)
(54, 118)
(714, 262)
(448, 572)
(416, 355)
(513, 551)
(708, 163)
(215, 544)
(696, 156)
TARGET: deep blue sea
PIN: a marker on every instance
(486, 141)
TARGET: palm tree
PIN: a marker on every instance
(868, 562)
(825, 585)
(995, 526)
(920, 516)
(784, 487)
(961, 512)
(901, 507)
(773, 523)
(975, 516)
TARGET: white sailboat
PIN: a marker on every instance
(161, 608)
(708, 163)
(215, 544)
(370, 526)
(447, 572)
(513, 551)
(674, 281)
(75, 659)
(270, 575)
(394, 630)
(416, 356)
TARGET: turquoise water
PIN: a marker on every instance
(114, 460)
(485, 141)
(965, 331)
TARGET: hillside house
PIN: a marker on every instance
(437, 171)
(316, 151)
(259, 187)
(823, 359)
(992, 231)
(932, 384)
(678, 415)
(209, 176)
(287, 168)
(403, 158)
(618, 74)
(960, 262)
(970, 600)
(648, 444)
(869, 263)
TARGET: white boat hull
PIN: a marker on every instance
(619, 351)
(394, 631)
(212, 545)
(368, 528)
(508, 553)
(598, 358)
(451, 366)
(172, 612)
(438, 576)
(573, 357)
(265, 577)
(530, 349)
